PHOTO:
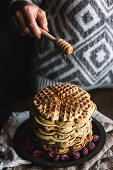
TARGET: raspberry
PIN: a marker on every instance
(91, 146)
(84, 151)
(95, 138)
(36, 153)
(51, 154)
(57, 157)
(64, 157)
(76, 155)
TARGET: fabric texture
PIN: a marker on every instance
(9, 157)
(12, 1)
(87, 25)
(33, 1)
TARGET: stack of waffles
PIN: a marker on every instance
(61, 118)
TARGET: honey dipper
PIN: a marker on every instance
(61, 44)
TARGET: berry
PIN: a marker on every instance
(57, 157)
(36, 153)
(51, 154)
(76, 155)
(64, 157)
(91, 146)
(84, 151)
(95, 138)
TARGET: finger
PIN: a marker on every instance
(42, 20)
(15, 26)
(32, 25)
(23, 25)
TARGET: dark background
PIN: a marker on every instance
(15, 59)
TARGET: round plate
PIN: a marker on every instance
(27, 148)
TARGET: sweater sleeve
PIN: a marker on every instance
(37, 2)
(12, 1)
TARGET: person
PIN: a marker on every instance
(86, 25)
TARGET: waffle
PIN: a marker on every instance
(75, 131)
(81, 145)
(56, 135)
(64, 103)
(64, 140)
(61, 117)
(68, 146)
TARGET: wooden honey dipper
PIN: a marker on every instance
(61, 44)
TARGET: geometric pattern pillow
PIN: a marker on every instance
(88, 26)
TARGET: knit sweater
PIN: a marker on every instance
(87, 25)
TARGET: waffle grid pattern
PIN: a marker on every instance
(64, 102)
(61, 118)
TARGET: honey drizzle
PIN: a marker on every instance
(65, 57)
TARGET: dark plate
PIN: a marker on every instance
(25, 147)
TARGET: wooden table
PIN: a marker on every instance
(103, 98)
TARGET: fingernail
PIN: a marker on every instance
(46, 28)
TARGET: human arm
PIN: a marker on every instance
(26, 17)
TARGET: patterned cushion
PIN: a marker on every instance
(87, 25)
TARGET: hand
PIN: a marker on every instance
(25, 16)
